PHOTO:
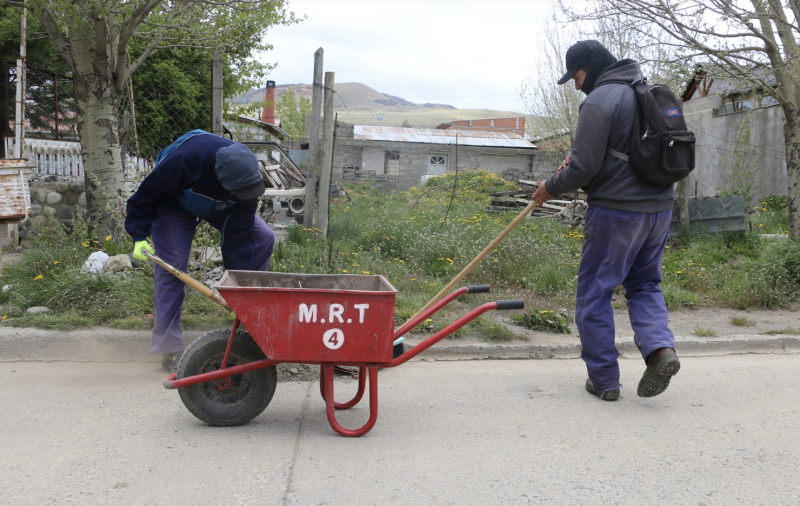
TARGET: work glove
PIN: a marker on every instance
(138, 246)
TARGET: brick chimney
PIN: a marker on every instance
(268, 112)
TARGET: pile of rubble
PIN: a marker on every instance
(569, 208)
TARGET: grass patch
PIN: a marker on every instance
(548, 321)
(419, 242)
(742, 322)
(702, 332)
(493, 331)
(781, 332)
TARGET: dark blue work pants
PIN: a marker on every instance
(621, 248)
(172, 237)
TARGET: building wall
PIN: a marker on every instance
(716, 138)
(363, 160)
(504, 125)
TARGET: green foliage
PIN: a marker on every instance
(740, 165)
(406, 124)
(703, 332)
(292, 112)
(472, 184)
(774, 202)
(493, 331)
(546, 320)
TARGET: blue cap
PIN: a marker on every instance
(237, 170)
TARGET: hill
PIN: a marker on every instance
(358, 103)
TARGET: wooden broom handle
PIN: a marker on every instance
(200, 287)
(475, 261)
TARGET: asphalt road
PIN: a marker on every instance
(473, 432)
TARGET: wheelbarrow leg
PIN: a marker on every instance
(327, 374)
(362, 382)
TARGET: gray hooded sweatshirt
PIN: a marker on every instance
(605, 120)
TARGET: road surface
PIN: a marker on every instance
(475, 432)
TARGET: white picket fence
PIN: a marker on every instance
(63, 158)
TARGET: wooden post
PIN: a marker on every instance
(216, 94)
(683, 206)
(309, 214)
(327, 158)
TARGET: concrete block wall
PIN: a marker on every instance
(716, 138)
(351, 155)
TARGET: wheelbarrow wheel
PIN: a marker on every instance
(249, 393)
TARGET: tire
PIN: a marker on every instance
(250, 392)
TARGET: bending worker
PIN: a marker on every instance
(199, 177)
(626, 229)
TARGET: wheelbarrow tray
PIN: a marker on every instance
(314, 318)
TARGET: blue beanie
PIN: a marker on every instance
(237, 170)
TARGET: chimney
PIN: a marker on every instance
(268, 112)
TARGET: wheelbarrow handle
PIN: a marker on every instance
(410, 324)
(200, 287)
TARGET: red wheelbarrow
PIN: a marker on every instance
(228, 377)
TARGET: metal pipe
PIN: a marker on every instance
(424, 345)
(171, 383)
(410, 324)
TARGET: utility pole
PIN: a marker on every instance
(216, 94)
(309, 214)
(19, 118)
(327, 157)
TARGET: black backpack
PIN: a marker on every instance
(662, 149)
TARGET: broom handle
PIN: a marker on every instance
(200, 287)
(475, 261)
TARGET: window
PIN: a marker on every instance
(742, 105)
(392, 165)
(437, 164)
(769, 101)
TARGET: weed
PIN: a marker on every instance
(701, 332)
(780, 332)
(548, 321)
(493, 331)
(742, 322)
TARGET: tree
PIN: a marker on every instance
(555, 108)
(406, 124)
(754, 43)
(292, 112)
(94, 38)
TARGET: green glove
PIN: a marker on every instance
(139, 246)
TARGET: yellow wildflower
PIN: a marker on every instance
(37, 278)
(365, 272)
(108, 238)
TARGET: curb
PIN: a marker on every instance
(110, 345)
(685, 346)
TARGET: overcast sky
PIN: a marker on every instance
(472, 54)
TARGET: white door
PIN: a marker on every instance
(437, 164)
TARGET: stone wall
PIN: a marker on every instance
(54, 198)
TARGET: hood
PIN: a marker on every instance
(625, 71)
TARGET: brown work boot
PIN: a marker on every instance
(662, 365)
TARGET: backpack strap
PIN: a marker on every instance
(614, 152)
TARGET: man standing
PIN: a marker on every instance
(626, 228)
(199, 177)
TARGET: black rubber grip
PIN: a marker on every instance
(510, 304)
(479, 289)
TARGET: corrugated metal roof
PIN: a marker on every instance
(440, 136)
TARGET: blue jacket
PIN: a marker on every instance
(184, 178)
